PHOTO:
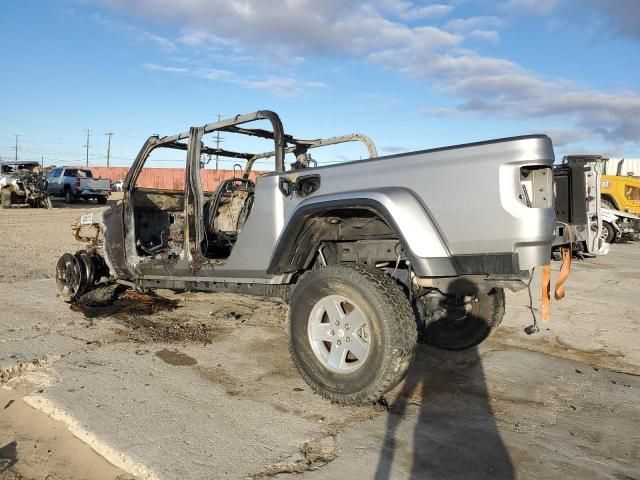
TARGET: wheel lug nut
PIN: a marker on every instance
(339, 342)
(348, 339)
(337, 322)
(331, 332)
(347, 326)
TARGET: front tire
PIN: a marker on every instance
(352, 333)
(608, 233)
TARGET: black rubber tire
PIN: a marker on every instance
(605, 202)
(392, 330)
(102, 200)
(611, 233)
(69, 197)
(101, 296)
(485, 316)
(5, 198)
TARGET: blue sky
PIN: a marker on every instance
(410, 74)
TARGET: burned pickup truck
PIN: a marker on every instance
(22, 183)
(367, 253)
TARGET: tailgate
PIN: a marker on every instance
(95, 184)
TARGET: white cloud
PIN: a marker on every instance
(567, 136)
(486, 35)
(622, 16)
(380, 33)
(161, 68)
(291, 26)
(136, 33)
(437, 10)
(515, 93)
(283, 86)
(472, 23)
(607, 17)
(200, 37)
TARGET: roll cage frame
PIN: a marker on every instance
(283, 143)
(194, 195)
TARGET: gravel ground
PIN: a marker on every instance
(204, 387)
(31, 239)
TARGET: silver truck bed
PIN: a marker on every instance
(460, 209)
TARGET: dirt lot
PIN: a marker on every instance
(205, 389)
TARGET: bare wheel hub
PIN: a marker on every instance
(71, 277)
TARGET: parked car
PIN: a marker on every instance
(75, 183)
(22, 183)
(367, 253)
(617, 225)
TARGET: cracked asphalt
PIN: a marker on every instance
(207, 390)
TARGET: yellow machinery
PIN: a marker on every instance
(619, 181)
(620, 185)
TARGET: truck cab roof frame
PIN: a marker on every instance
(284, 143)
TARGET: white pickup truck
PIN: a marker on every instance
(73, 183)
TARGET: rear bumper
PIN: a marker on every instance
(509, 265)
(93, 193)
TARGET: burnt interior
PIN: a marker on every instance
(160, 219)
(159, 222)
(225, 214)
(209, 225)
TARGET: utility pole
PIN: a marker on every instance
(218, 141)
(42, 163)
(108, 147)
(16, 148)
(87, 145)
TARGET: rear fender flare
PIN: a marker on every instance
(398, 207)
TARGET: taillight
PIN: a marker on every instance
(77, 183)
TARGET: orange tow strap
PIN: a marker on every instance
(546, 292)
(565, 270)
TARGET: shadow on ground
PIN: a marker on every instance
(455, 435)
(8, 457)
(446, 400)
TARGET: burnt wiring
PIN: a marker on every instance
(533, 328)
(398, 258)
